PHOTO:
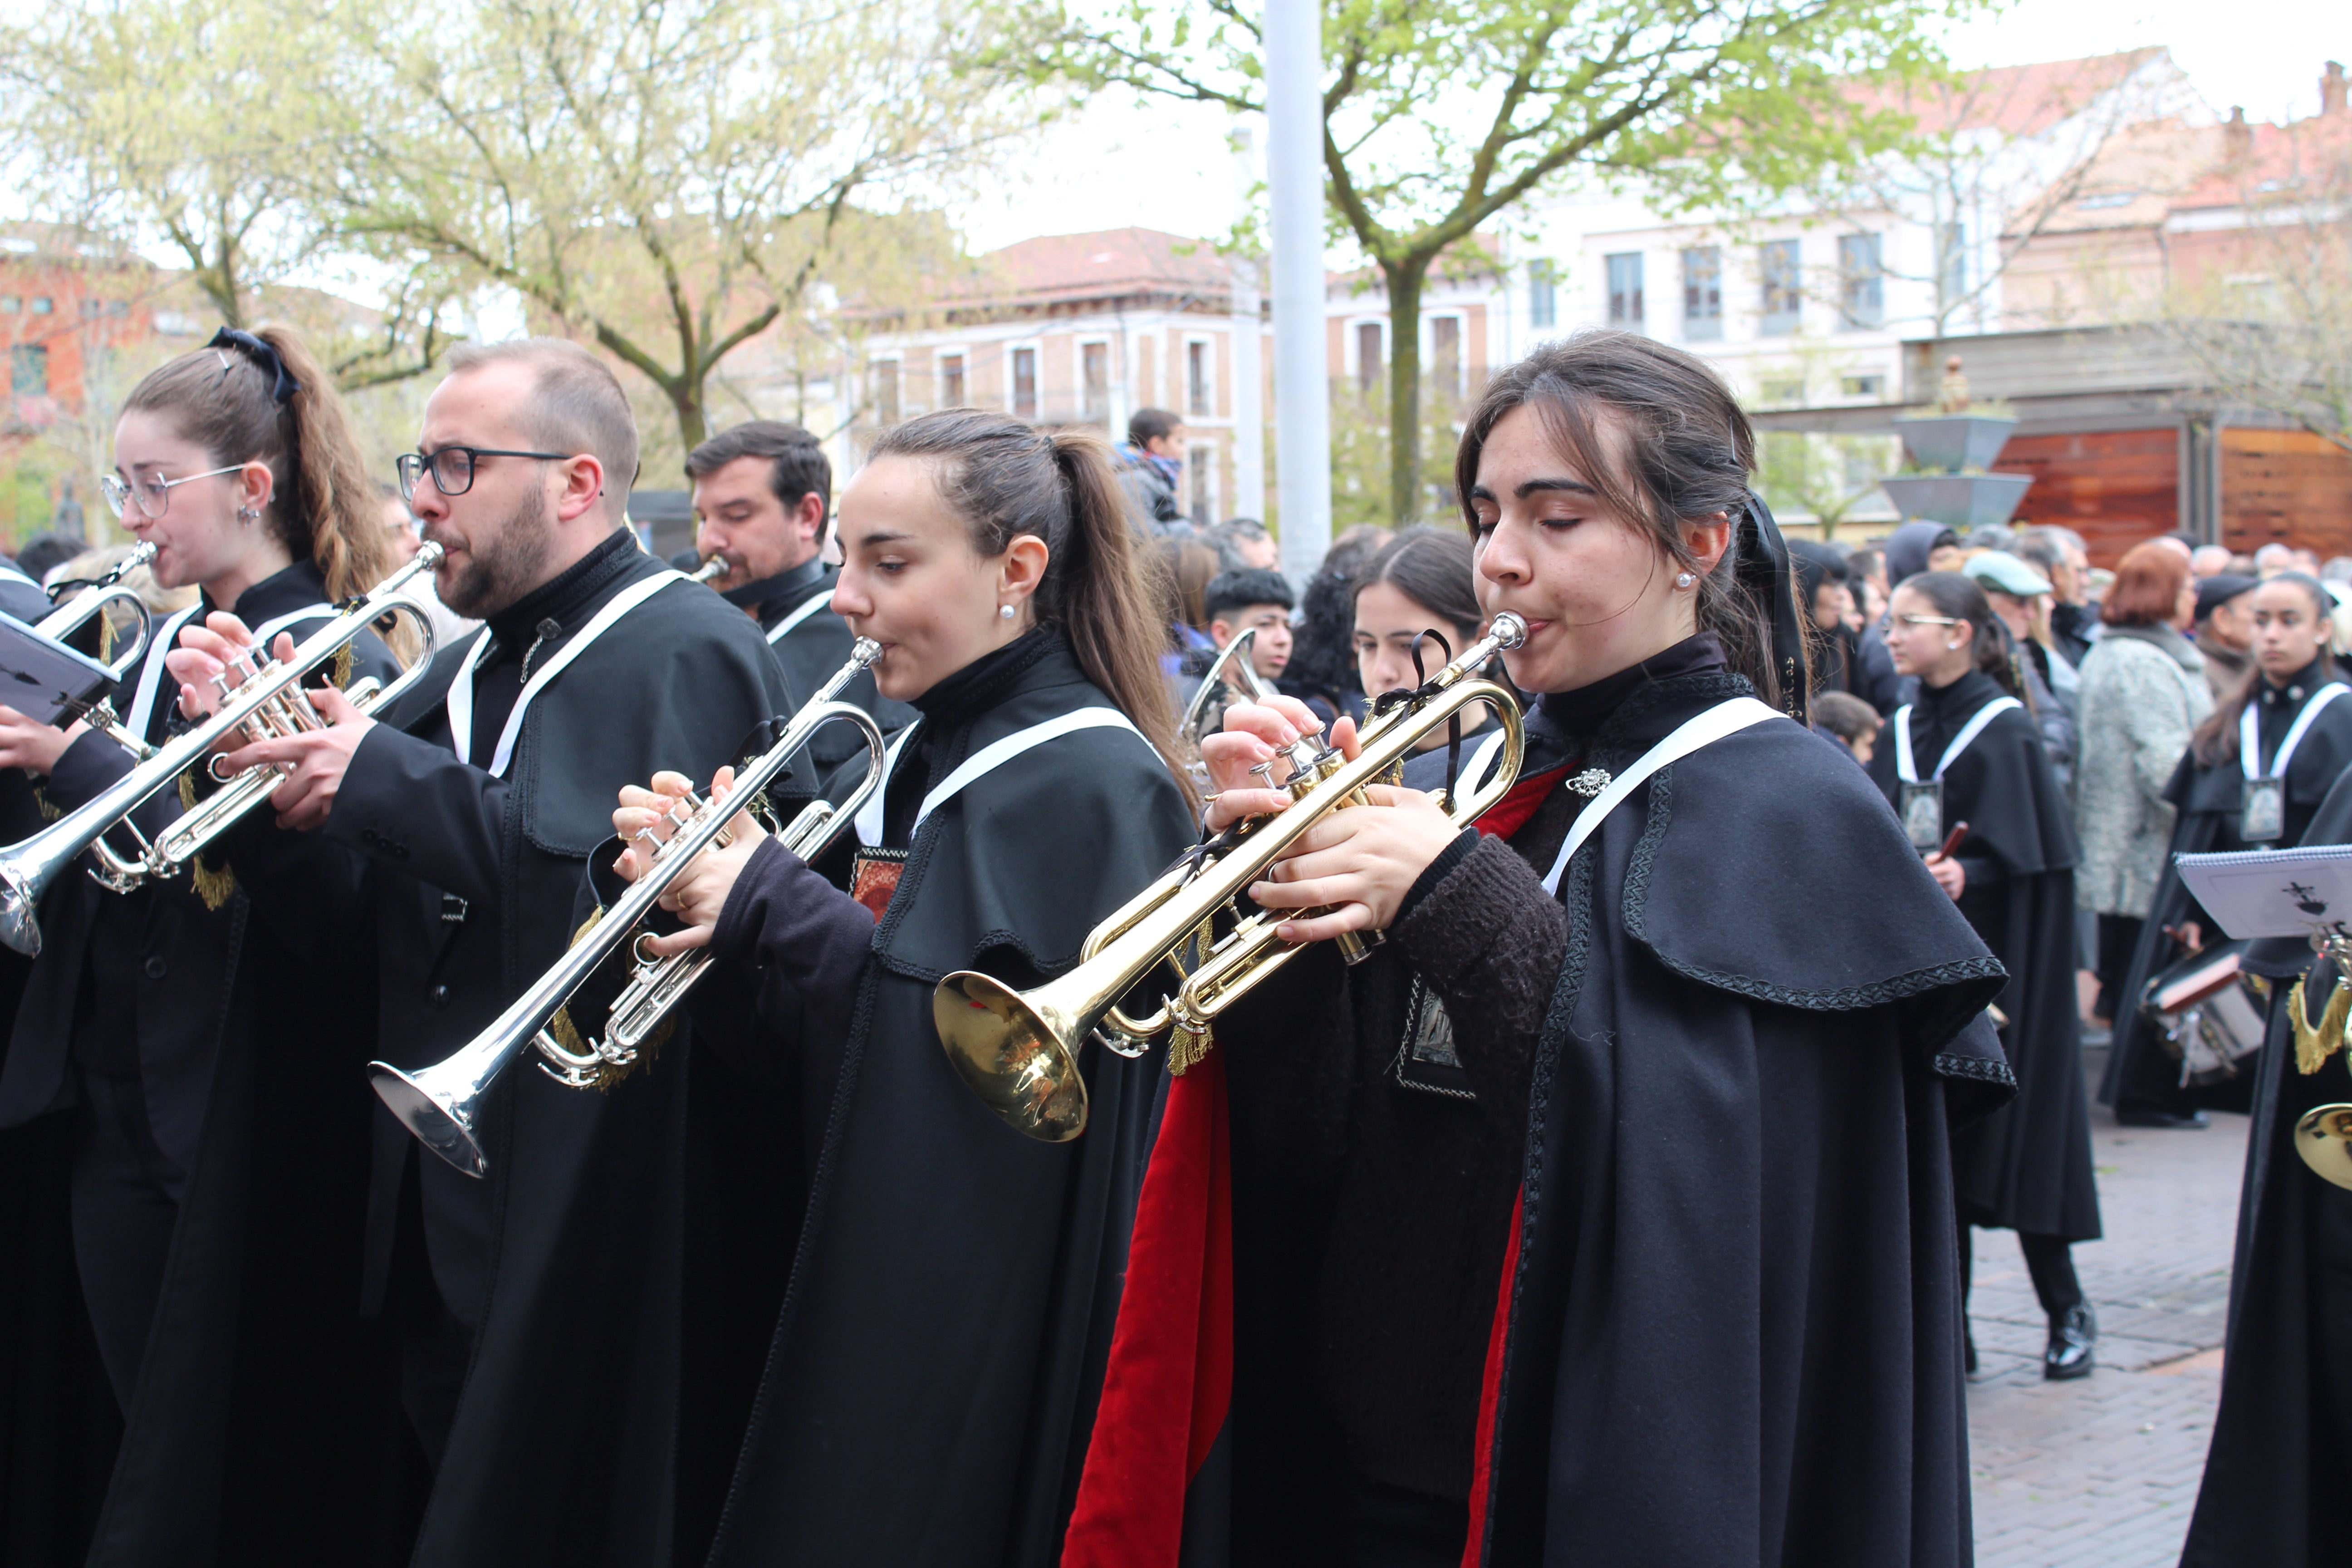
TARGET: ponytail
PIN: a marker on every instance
(322, 507)
(1006, 479)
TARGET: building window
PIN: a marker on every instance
(952, 381)
(1543, 295)
(42, 305)
(1952, 263)
(1861, 290)
(1703, 292)
(1025, 384)
(1094, 382)
(1625, 290)
(886, 392)
(1780, 264)
(1864, 386)
(10, 304)
(1445, 351)
(1201, 470)
(1368, 354)
(1199, 395)
(29, 370)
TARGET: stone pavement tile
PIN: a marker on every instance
(2103, 1472)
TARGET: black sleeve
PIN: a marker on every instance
(804, 940)
(1491, 940)
(412, 807)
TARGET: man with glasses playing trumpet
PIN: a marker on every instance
(550, 1287)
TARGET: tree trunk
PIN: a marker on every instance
(686, 396)
(1404, 279)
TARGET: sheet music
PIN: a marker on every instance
(2272, 892)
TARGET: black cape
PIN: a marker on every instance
(1734, 1332)
(2141, 1073)
(2274, 1490)
(934, 1372)
(254, 1430)
(59, 1425)
(581, 1400)
(2027, 1166)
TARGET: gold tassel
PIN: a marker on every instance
(1186, 1048)
(50, 810)
(343, 666)
(2314, 1043)
(213, 886)
(188, 790)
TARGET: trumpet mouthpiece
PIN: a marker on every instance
(1507, 630)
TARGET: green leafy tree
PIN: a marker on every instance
(1440, 116)
(666, 179)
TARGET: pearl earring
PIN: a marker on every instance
(1684, 580)
(1004, 612)
(1952, 647)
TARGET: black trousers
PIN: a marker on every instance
(125, 1204)
(2119, 936)
(436, 1345)
(1389, 1526)
(2050, 1260)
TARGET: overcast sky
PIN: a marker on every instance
(1166, 167)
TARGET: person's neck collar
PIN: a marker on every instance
(787, 583)
(2299, 685)
(260, 565)
(982, 684)
(261, 593)
(557, 598)
(1582, 708)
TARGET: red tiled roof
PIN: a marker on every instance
(2018, 100)
(1107, 264)
(2275, 161)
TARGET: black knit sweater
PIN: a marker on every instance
(1372, 1208)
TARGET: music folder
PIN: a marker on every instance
(2272, 892)
(45, 679)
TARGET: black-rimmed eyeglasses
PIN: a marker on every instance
(452, 467)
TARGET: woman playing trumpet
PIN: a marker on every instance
(933, 1373)
(218, 1157)
(1604, 1214)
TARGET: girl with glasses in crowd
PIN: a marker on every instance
(210, 1057)
(1968, 750)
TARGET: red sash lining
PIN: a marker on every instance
(1490, 1394)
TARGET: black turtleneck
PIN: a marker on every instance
(772, 596)
(1584, 710)
(554, 609)
(2279, 702)
(951, 703)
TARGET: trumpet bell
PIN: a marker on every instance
(440, 1128)
(20, 925)
(1010, 1053)
(2323, 1138)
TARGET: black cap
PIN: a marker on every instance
(2219, 589)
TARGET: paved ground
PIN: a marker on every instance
(2102, 1473)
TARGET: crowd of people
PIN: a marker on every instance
(1593, 1182)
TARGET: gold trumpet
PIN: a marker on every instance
(1018, 1050)
(259, 698)
(440, 1103)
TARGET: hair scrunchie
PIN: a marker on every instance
(284, 386)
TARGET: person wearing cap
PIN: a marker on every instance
(2225, 630)
(2020, 596)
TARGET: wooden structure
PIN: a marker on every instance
(2122, 444)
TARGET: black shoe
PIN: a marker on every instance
(2159, 1119)
(2071, 1338)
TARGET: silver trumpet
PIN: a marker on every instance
(709, 571)
(1232, 667)
(95, 598)
(440, 1103)
(260, 698)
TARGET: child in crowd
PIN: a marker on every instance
(1846, 719)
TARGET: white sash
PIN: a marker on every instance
(1482, 762)
(980, 763)
(802, 612)
(167, 636)
(1723, 718)
(461, 689)
(1908, 770)
(2250, 732)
